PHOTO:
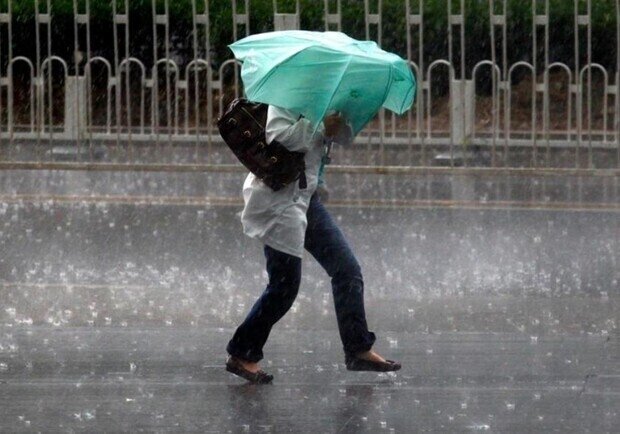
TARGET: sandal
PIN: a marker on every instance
(356, 364)
(234, 366)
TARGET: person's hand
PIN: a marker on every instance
(334, 124)
(337, 129)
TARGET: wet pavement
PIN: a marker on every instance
(172, 379)
(116, 312)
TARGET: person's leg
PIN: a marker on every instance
(328, 246)
(284, 277)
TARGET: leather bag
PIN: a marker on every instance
(243, 129)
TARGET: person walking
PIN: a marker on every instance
(288, 221)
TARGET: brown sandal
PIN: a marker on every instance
(234, 366)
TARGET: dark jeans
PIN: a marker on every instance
(327, 245)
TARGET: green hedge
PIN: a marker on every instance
(394, 39)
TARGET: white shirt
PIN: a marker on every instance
(278, 218)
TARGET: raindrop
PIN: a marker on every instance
(479, 427)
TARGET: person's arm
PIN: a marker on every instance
(288, 128)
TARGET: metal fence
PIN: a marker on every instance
(132, 108)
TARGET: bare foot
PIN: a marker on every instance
(370, 356)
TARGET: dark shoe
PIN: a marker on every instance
(356, 364)
(234, 366)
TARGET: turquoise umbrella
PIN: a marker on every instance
(316, 73)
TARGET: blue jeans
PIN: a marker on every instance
(328, 246)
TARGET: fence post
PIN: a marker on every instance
(461, 106)
(43, 20)
(459, 97)
(376, 19)
(240, 18)
(200, 18)
(6, 80)
(416, 19)
(583, 20)
(283, 21)
(83, 117)
(542, 20)
(120, 20)
(75, 107)
(499, 20)
(163, 20)
(333, 17)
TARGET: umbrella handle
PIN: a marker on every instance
(328, 149)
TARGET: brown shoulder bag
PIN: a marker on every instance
(243, 129)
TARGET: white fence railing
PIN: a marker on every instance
(133, 107)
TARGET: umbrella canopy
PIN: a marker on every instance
(315, 73)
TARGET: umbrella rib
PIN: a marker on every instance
(387, 86)
(337, 86)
